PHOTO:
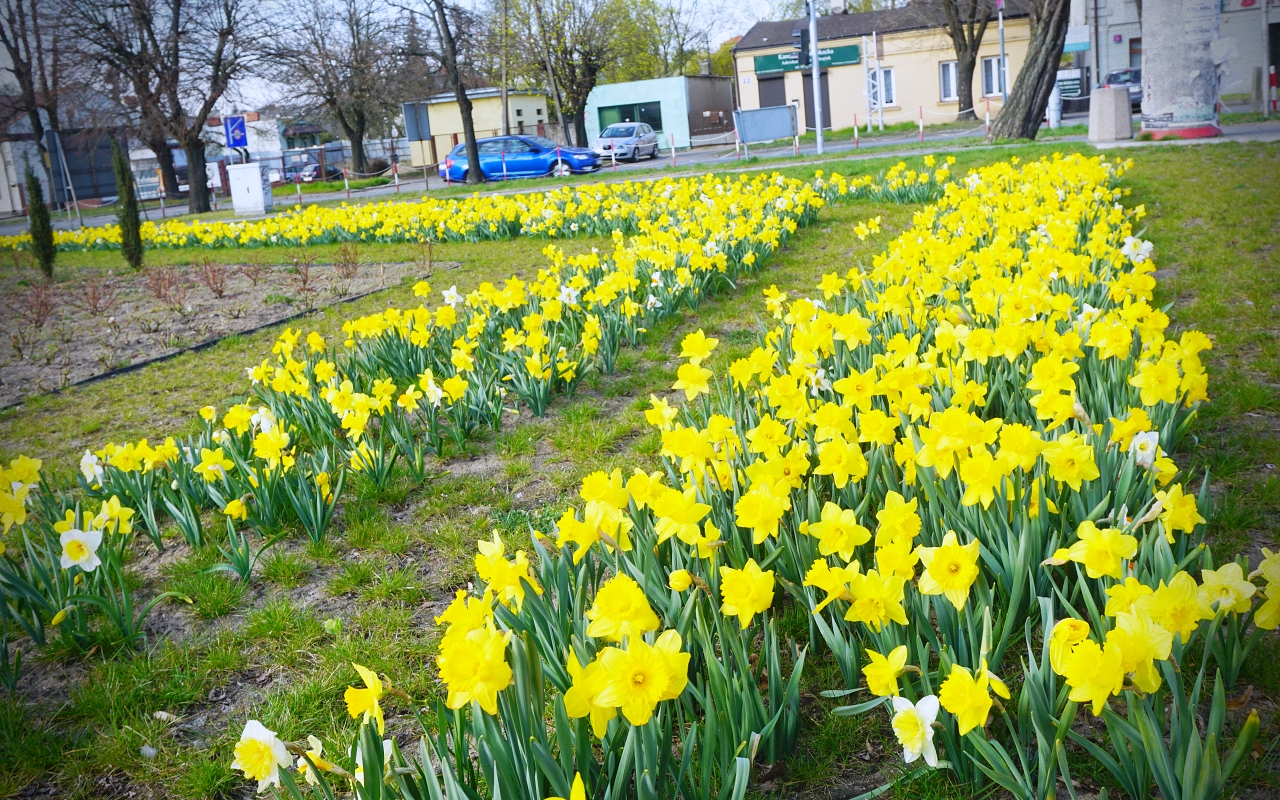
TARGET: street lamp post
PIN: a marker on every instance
(815, 70)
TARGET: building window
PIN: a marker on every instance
(519, 112)
(947, 82)
(648, 113)
(538, 111)
(1135, 52)
(992, 79)
(890, 96)
(874, 94)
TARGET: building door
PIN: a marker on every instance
(773, 91)
(809, 115)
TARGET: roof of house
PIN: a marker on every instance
(302, 129)
(491, 91)
(913, 16)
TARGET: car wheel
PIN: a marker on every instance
(560, 170)
(654, 152)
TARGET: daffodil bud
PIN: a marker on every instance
(680, 580)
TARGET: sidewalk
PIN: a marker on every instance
(723, 159)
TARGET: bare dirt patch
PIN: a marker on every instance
(53, 336)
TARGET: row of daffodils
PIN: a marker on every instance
(628, 207)
(949, 469)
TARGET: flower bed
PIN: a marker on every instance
(959, 451)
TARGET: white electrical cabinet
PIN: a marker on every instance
(250, 188)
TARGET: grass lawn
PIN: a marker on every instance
(88, 727)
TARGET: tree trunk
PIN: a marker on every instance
(964, 84)
(197, 181)
(474, 175)
(966, 25)
(359, 161)
(502, 55)
(42, 151)
(580, 126)
(1021, 116)
(354, 129)
(168, 173)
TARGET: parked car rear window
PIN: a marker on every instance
(1125, 76)
(619, 132)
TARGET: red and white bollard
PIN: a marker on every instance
(297, 182)
(855, 131)
(1273, 87)
(162, 198)
(346, 184)
(448, 167)
(395, 173)
(922, 123)
(671, 137)
(504, 164)
(988, 116)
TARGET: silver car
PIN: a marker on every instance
(627, 141)
(1130, 79)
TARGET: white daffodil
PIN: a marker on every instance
(568, 295)
(260, 754)
(1136, 250)
(80, 549)
(451, 297)
(264, 419)
(91, 467)
(913, 725)
(1146, 448)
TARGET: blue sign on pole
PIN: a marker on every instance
(235, 132)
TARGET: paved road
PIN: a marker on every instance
(717, 157)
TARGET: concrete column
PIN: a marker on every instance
(1179, 73)
(1110, 115)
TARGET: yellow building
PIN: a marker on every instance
(528, 114)
(916, 58)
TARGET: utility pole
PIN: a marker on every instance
(816, 71)
(502, 56)
(1266, 59)
(1004, 71)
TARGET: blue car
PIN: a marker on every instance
(503, 157)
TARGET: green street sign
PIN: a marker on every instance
(790, 60)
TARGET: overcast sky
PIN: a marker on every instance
(735, 19)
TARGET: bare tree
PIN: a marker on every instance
(577, 44)
(1020, 118)
(31, 38)
(453, 74)
(181, 57)
(339, 60)
(966, 25)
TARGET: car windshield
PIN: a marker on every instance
(618, 132)
(1125, 76)
(543, 142)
